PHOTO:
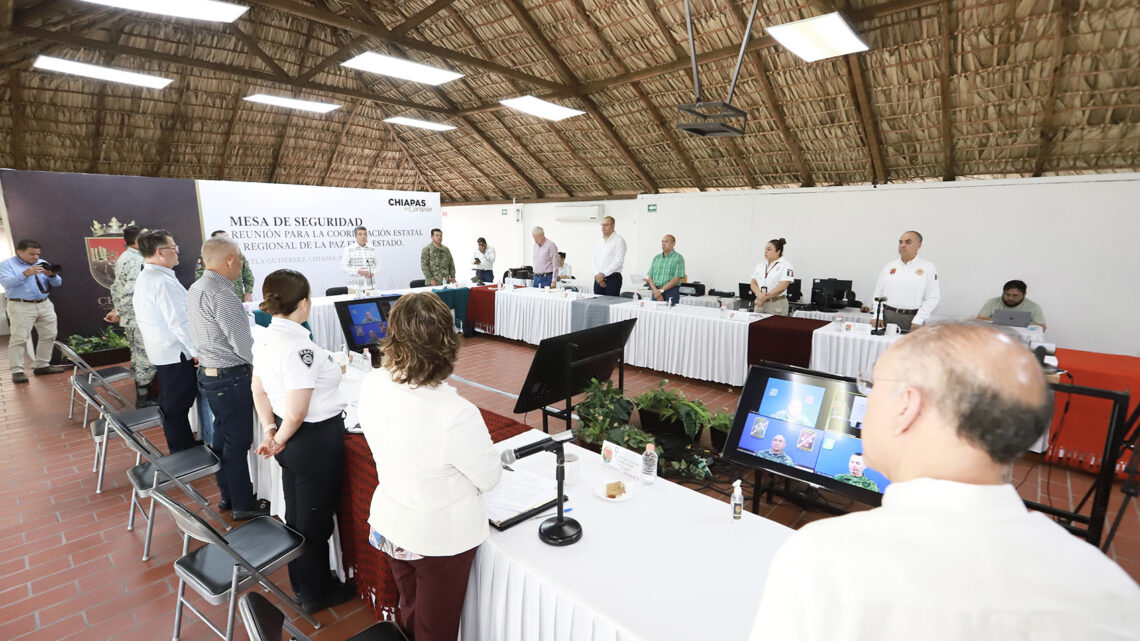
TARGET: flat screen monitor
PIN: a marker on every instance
(807, 426)
(596, 352)
(830, 294)
(364, 320)
(745, 292)
(795, 291)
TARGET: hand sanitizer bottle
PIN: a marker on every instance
(737, 500)
(649, 464)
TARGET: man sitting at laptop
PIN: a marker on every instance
(1013, 299)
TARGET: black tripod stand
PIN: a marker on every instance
(1131, 486)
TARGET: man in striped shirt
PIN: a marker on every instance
(219, 329)
(666, 272)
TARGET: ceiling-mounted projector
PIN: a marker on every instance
(711, 117)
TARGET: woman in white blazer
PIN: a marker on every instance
(434, 460)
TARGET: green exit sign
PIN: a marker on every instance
(504, 211)
(652, 209)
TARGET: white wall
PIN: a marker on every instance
(1074, 240)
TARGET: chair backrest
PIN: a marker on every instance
(89, 372)
(134, 443)
(96, 390)
(265, 621)
(336, 291)
(418, 283)
(192, 524)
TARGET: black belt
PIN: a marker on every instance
(224, 371)
(543, 274)
(21, 300)
(904, 312)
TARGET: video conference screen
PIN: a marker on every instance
(806, 426)
(365, 320)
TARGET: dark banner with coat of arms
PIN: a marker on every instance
(79, 220)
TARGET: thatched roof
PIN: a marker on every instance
(950, 89)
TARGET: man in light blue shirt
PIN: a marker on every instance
(160, 311)
(27, 280)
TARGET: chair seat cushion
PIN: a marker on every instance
(383, 631)
(264, 542)
(187, 465)
(115, 373)
(141, 418)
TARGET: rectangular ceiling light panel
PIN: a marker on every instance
(422, 124)
(49, 63)
(825, 36)
(541, 108)
(400, 68)
(209, 10)
(292, 103)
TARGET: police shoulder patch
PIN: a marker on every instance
(306, 357)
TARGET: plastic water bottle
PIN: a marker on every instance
(649, 464)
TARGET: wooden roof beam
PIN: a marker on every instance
(43, 10)
(252, 46)
(421, 16)
(946, 31)
(280, 147)
(1065, 10)
(862, 99)
(166, 137)
(379, 31)
(100, 102)
(249, 74)
(7, 13)
(239, 100)
(339, 141)
(16, 96)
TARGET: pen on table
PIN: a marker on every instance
(547, 514)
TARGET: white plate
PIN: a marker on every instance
(600, 492)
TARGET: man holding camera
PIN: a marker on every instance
(27, 281)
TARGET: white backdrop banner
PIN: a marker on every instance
(307, 228)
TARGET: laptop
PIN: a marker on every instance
(1012, 317)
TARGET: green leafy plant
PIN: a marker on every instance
(86, 344)
(672, 406)
(603, 408)
(721, 422)
(690, 465)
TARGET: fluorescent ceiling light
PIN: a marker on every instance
(541, 108)
(817, 38)
(293, 103)
(400, 68)
(210, 10)
(422, 124)
(100, 73)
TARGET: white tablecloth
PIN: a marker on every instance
(847, 353)
(669, 563)
(848, 314)
(710, 301)
(530, 314)
(689, 341)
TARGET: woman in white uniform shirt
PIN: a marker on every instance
(771, 279)
(434, 460)
(296, 392)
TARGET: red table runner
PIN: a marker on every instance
(481, 308)
(373, 577)
(782, 339)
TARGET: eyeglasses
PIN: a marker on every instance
(864, 383)
(174, 247)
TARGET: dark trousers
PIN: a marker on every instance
(310, 476)
(431, 594)
(177, 389)
(231, 401)
(542, 281)
(487, 275)
(672, 296)
(613, 285)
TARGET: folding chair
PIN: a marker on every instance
(230, 563)
(265, 622)
(134, 420)
(109, 374)
(153, 471)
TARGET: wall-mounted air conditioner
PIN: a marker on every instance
(578, 213)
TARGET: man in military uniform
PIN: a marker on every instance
(127, 269)
(855, 467)
(436, 261)
(794, 414)
(243, 286)
(777, 452)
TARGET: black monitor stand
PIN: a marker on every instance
(571, 366)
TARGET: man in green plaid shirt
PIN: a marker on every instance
(666, 272)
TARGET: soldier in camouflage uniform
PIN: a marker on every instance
(127, 269)
(855, 467)
(436, 261)
(777, 452)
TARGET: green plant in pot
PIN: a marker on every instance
(719, 426)
(669, 413)
(603, 415)
(105, 348)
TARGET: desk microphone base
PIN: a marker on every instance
(554, 532)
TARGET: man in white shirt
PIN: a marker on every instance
(909, 284)
(953, 553)
(484, 261)
(160, 311)
(609, 255)
(360, 262)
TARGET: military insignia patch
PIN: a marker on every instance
(920, 271)
(306, 357)
(893, 270)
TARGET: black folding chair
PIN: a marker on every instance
(230, 563)
(88, 388)
(265, 622)
(108, 374)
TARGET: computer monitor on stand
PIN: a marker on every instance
(831, 294)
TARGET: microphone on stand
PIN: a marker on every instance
(880, 329)
(545, 445)
(557, 530)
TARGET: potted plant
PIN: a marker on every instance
(603, 415)
(668, 412)
(102, 349)
(719, 426)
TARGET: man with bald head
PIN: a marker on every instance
(666, 272)
(609, 257)
(220, 331)
(909, 284)
(953, 553)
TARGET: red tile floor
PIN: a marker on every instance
(70, 570)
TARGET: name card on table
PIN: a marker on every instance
(738, 315)
(863, 329)
(652, 304)
(618, 458)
